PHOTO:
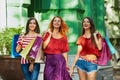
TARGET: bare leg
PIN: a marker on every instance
(92, 76)
(82, 74)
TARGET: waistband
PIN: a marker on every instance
(92, 61)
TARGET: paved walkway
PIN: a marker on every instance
(102, 74)
(116, 73)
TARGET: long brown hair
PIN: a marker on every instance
(37, 29)
(92, 28)
(63, 28)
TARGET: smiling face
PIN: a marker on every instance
(57, 22)
(32, 25)
(86, 24)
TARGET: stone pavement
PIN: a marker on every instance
(104, 72)
(116, 73)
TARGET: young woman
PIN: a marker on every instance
(89, 45)
(55, 45)
(29, 68)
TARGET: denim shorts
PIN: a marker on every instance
(86, 66)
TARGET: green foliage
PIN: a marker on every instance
(6, 38)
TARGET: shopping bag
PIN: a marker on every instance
(14, 54)
(112, 49)
(24, 53)
(40, 58)
(105, 54)
(36, 46)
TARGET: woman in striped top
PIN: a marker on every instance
(29, 68)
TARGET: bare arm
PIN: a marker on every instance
(98, 41)
(45, 43)
(75, 59)
(19, 45)
(66, 58)
(18, 48)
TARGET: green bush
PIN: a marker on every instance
(6, 38)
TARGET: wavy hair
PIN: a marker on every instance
(63, 28)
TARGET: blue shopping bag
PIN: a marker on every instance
(14, 54)
(111, 47)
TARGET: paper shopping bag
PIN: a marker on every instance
(36, 46)
(111, 47)
(105, 55)
(40, 58)
(14, 54)
(24, 53)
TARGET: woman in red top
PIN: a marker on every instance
(55, 47)
(89, 45)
